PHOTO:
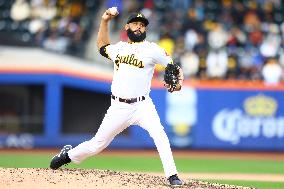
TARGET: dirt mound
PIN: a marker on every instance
(34, 178)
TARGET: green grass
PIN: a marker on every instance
(150, 164)
(230, 165)
(153, 164)
(25, 160)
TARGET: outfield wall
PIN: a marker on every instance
(204, 115)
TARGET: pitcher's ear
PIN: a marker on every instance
(126, 27)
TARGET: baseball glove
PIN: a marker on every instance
(171, 77)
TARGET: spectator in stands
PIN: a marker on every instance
(179, 49)
(167, 43)
(272, 41)
(272, 72)
(251, 31)
(57, 43)
(217, 59)
(191, 39)
(45, 10)
(20, 10)
(181, 5)
(61, 26)
(189, 62)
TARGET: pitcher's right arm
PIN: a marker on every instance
(103, 34)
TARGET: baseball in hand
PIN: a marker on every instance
(113, 11)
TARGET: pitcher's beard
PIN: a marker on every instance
(135, 37)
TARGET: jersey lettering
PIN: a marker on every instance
(128, 59)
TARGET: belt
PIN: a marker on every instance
(128, 100)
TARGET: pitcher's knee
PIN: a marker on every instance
(157, 132)
(98, 144)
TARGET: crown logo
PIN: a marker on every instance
(260, 105)
(181, 129)
(139, 15)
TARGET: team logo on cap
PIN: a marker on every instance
(139, 15)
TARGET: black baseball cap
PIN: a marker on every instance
(137, 16)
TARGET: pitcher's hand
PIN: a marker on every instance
(108, 15)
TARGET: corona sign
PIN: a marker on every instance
(247, 120)
(257, 120)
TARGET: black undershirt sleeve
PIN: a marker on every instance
(103, 51)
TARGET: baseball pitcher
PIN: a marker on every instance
(134, 63)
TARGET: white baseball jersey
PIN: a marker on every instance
(133, 70)
(134, 65)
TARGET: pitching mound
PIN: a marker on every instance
(26, 178)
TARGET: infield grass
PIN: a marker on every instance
(150, 164)
(153, 164)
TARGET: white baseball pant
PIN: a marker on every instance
(118, 117)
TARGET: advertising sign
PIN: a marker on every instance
(240, 120)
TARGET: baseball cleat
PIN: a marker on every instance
(174, 180)
(61, 158)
